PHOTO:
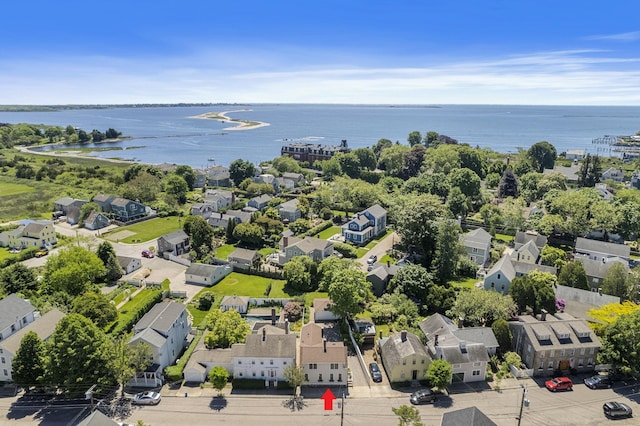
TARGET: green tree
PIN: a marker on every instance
(29, 361)
(79, 354)
(225, 329)
(615, 281)
(86, 210)
(467, 180)
(300, 273)
(366, 158)
(200, 234)
(128, 359)
(294, 376)
(439, 373)
(144, 187)
(590, 171)
(407, 416)
(448, 251)
(414, 138)
(176, 188)
(248, 233)
(186, 173)
(439, 299)
(534, 291)
(240, 170)
(107, 255)
(500, 328)
(480, 307)
(443, 159)
(620, 343)
(348, 292)
(412, 162)
(573, 275)
(379, 146)
(331, 169)
(508, 186)
(96, 307)
(391, 159)
(413, 281)
(552, 256)
(219, 376)
(72, 270)
(349, 164)
(17, 278)
(329, 267)
(542, 155)
(609, 313)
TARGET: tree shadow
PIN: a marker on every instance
(295, 403)
(218, 403)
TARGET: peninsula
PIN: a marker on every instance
(241, 124)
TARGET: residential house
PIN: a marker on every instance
(219, 198)
(126, 210)
(239, 304)
(219, 176)
(202, 209)
(43, 326)
(527, 253)
(470, 416)
(596, 270)
(200, 180)
(267, 179)
(614, 174)
(297, 178)
(322, 311)
(289, 211)
(404, 357)
(96, 220)
(96, 418)
(283, 184)
(264, 355)
(574, 154)
(570, 172)
(207, 275)
(466, 349)
(104, 201)
(165, 328)
(315, 248)
(203, 359)
(70, 207)
(323, 362)
(310, 153)
(260, 202)
(635, 180)
(175, 243)
(506, 269)
(240, 216)
(366, 225)
(603, 191)
(598, 250)
(523, 237)
(380, 275)
(15, 313)
(367, 330)
(129, 264)
(245, 259)
(31, 233)
(220, 220)
(555, 342)
(477, 243)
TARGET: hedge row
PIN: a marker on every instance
(173, 373)
(346, 250)
(127, 319)
(318, 229)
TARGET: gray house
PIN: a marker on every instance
(96, 220)
(125, 210)
(15, 313)
(506, 269)
(260, 202)
(289, 211)
(245, 259)
(202, 274)
(598, 250)
(175, 243)
(477, 243)
(129, 264)
(380, 275)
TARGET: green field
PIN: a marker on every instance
(8, 188)
(146, 230)
(329, 232)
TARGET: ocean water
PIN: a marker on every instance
(171, 134)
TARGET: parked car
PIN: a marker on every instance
(146, 398)
(41, 253)
(614, 410)
(422, 396)
(147, 253)
(376, 375)
(559, 383)
(598, 381)
(372, 259)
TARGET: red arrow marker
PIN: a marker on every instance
(328, 398)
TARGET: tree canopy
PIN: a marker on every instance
(225, 329)
(348, 292)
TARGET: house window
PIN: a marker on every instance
(571, 352)
(541, 365)
(313, 366)
(422, 361)
(253, 374)
(240, 374)
(6, 373)
(331, 377)
(498, 276)
(561, 353)
(334, 366)
(475, 373)
(271, 362)
(2, 360)
(493, 285)
(262, 373)
(528, 348)
(590, 351)
(404, 362)
(239, 361)
(581, 351)
(306, 377)
(552, 354)
(253, 362)
(285, 363)
(590, 361)
(580, 362)
(261, 362)
(319, 377)
(413, 362)
(542, 354)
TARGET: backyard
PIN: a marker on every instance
(146, 230)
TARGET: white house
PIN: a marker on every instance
(165, 328)
(129, 264)
(239, 304)
(323, 362)
(322, 311)
(43, 327)
(599, 250)
(207, 275)
(15, 313)
(477, 243)
(265, 355)
(315, 248)
(203, 359)
(527, 253)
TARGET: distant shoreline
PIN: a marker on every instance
(224, 118)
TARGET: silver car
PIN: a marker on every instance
(146, 398)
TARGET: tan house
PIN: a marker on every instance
(404, 357)
(323, 362)
(33, 233)
(245, 259)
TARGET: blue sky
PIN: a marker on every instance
(562, 52)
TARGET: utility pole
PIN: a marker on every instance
(342, 411)
(524, 393)
(89, 395)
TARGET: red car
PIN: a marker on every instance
(147, 254)
(559, 383)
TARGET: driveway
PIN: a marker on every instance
(380, 249)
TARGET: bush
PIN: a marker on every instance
(126, 320)
(247, 384)
(346, 250)
(205, 301)
(293, 311)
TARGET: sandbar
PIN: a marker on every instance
(224, 118)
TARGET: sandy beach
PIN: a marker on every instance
(224, 118)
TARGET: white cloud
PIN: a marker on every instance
(625, 37)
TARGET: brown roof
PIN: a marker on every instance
(315, 349)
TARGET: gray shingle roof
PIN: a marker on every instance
(587, 245)
(273, 346)
(149, 336)
(201, 269)
(161, 317)
(43, 327)
(175, 237)
(12, 307)
(97, 419)
(394, 349)
(470, 416)
(376, 210)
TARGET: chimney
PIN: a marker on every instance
(273, 316)
(324, 344)
(460, 322)
(380, 334)
(543, 315)
(403, 335)
(286, 326)
(388, 263)
(264, 334)
(285, 242)
(436, 340)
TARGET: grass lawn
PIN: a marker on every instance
(505, 238)
(243, 285)
(469, 283)
(9, 188)
(224, 251)
(329, 232)
(147, 230)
